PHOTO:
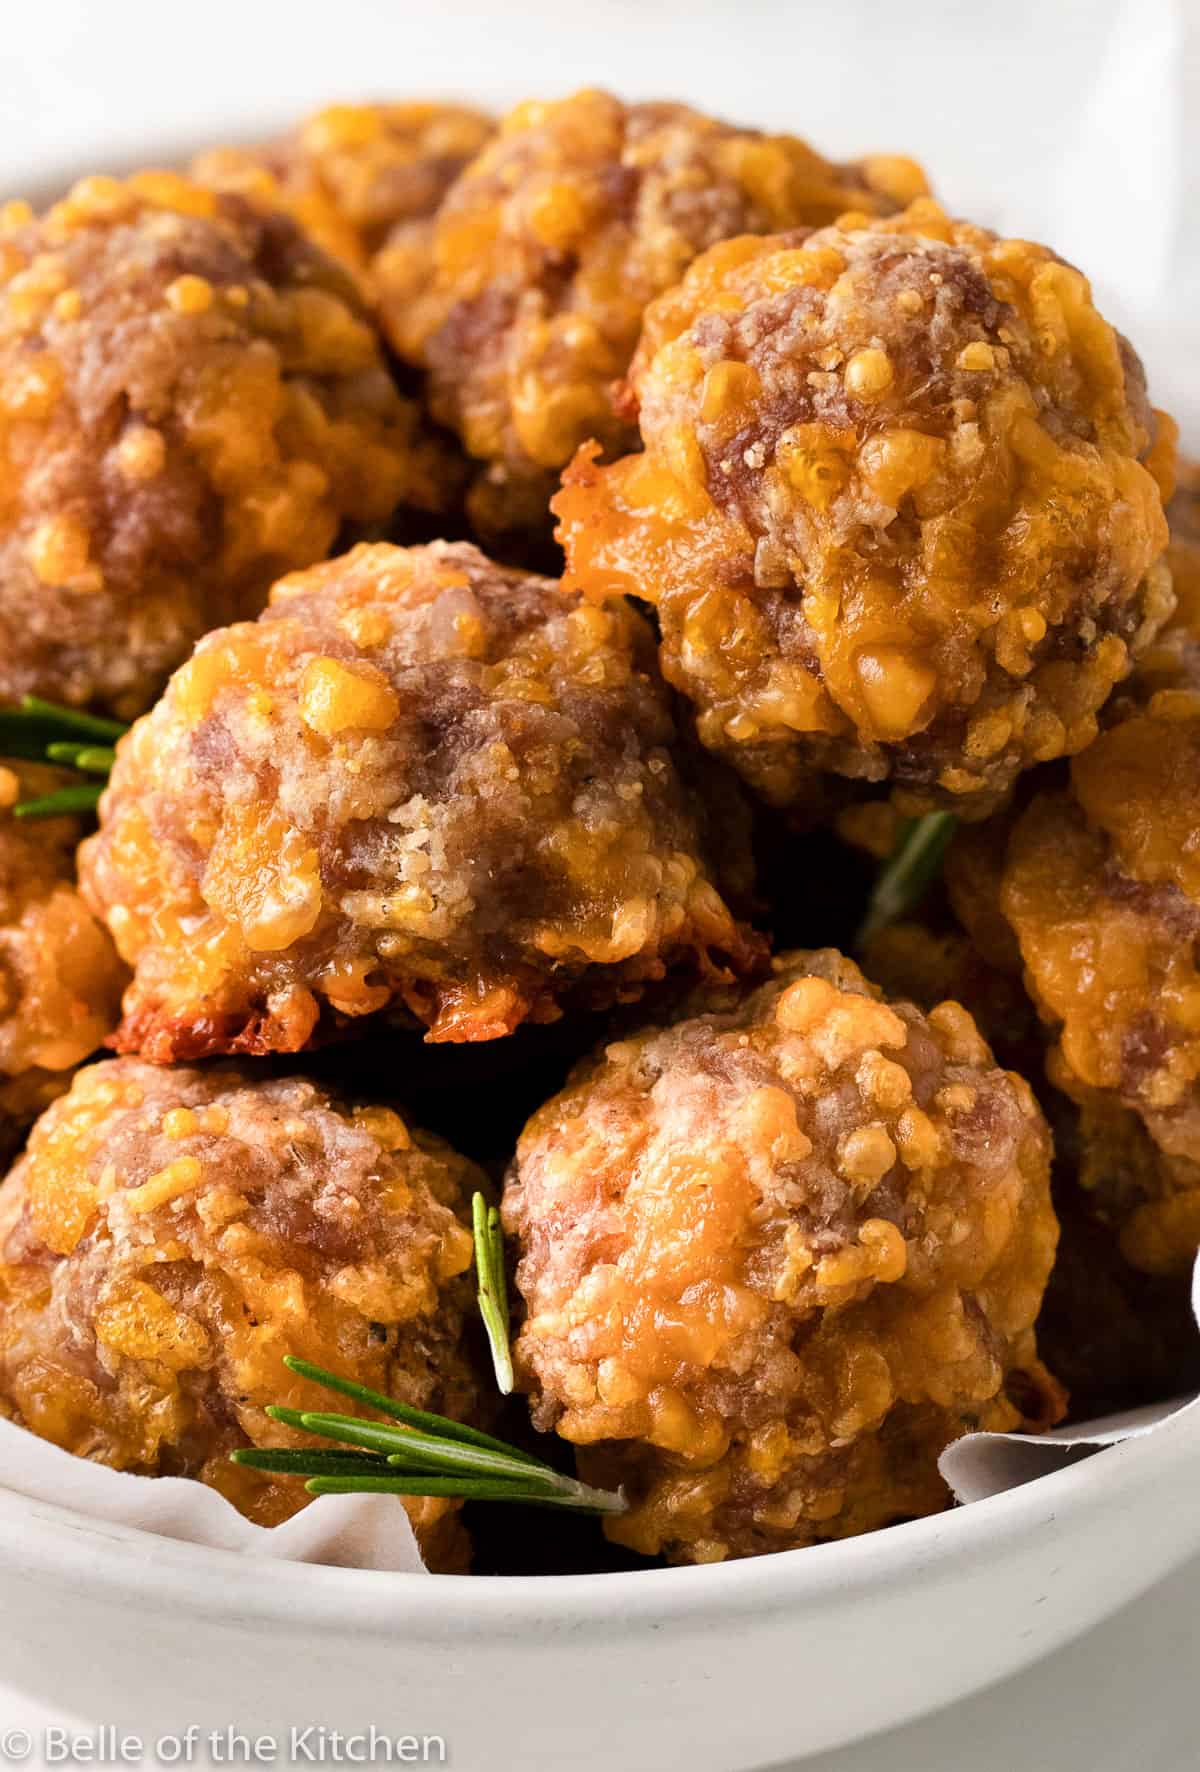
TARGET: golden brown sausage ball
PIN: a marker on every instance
(1101, 887)
(170, 1235)
(1174, 660)
(1113, 1336)
(775, 1257)
(1184, 509)
(419, 779)
(928, 965)
(192, 401)
(60, 978)
(354, 176)
(548, 248)
(894, 509)
(1092, 891)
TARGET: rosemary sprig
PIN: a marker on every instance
(909, 871)
(42, 731)
(84, 798)
(493, 1288)
(425, 1454)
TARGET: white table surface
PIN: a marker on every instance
(979, 93)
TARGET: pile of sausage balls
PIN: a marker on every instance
(547, 564)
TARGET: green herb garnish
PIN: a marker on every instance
(84, 798)
(42, 731)
(89, 759)
(425, 1455)
(909, 871)
(493, 1288)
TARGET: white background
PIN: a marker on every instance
(1072, 121)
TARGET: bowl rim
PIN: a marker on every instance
(134, 1566)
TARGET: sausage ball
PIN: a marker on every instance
(928, 965)
(1101, 889)
(169, 1236)
(1184, 509)
(60, 978)
(774, 1258)
(419, 779)
(354, 176)
(548, 248)
(897, 511)
(1174, 660)
(1113, 1336)
(1092, 892)
(192, 401)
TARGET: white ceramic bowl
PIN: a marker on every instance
(721, 1669)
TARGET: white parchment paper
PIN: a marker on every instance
(347, 1531)
(980, 1465)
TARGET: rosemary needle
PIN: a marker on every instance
(317, 1463)
(468, 1488)
(581, 1499)
(84, 798)
(91, 759)
(909, 871)
(83, 725)
(493, 1288)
